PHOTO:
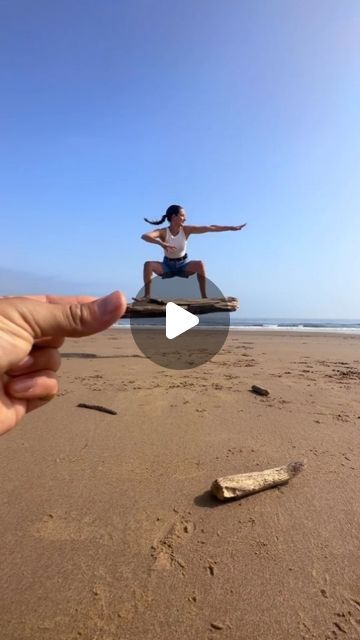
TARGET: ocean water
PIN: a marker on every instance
(266, 324)
(297, 324)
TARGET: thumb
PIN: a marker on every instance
(23, 320)
(74, 318)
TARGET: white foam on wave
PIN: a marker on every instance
(270, 327)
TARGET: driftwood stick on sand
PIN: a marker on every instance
(260, 391)
(246, 483)
(97, 407)
(156, 307)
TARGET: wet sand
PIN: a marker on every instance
(108, 529)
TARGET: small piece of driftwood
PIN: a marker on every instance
(156, 307)
(260, 391)
(244, 484)
(97, 407)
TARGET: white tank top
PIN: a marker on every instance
(179, 241)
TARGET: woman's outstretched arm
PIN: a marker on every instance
(211, 229)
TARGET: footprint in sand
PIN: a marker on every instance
(164, 550)
(346, 611)
(347, 623)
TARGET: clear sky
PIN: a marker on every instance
(241, 111)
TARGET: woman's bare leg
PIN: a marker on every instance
(198, 267)
(150, 268)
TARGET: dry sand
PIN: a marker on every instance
(108, 531)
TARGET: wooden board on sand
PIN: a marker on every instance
(156, 308)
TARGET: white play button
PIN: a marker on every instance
(178, 320)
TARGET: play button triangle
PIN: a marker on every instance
(178, 320)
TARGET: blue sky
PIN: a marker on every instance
(241, 111)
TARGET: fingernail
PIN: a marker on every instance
(22, 385)
(108, 304)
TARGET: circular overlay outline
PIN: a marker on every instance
(191, 349)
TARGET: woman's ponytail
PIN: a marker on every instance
(171, 211)
(156, 222)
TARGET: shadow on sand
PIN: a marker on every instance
(90, 356)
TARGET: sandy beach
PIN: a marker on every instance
(108, 529)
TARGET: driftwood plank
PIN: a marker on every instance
(156, 307)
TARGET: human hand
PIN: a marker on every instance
(31, 331)
(238, 228)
